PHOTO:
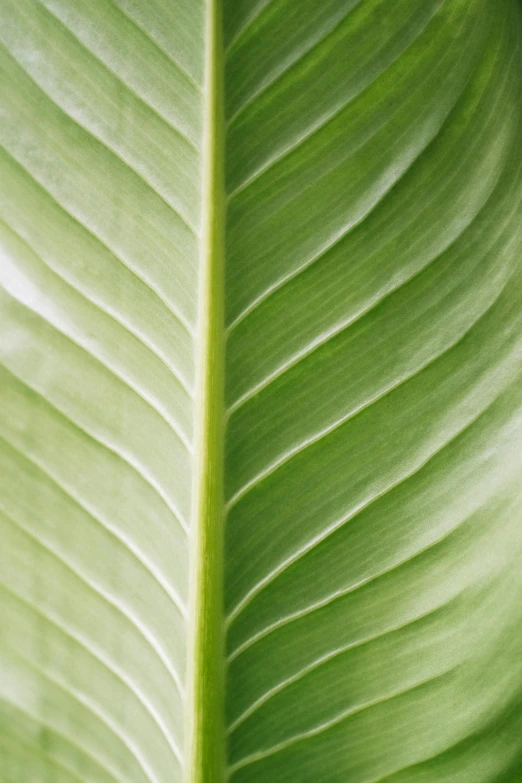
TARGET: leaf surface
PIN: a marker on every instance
(338, 464)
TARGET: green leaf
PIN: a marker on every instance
(261, 350)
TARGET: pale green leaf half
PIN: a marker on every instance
(261, 345)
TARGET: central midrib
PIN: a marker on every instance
(204, 716)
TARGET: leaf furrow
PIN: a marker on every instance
(248, 760)
(327, 657)
(287, 66)
(124, 84)
(321, 124)
(171, 307)
(87, 646)
(153, 41)
(120, 608)
(320, 537)
(177, 208)
(122, 454)
(141, 559)
(300, 448)
(84, 751)
(159, 410)
(90, 707)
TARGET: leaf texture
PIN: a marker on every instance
(372, 365)
(373, 389)
(100, 216)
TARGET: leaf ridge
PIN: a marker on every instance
(317, 539)
(112, 531)
(142, 338)
(98, 656)
(342, 716)
(332, 654)
(171, 306)
(125, 84)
